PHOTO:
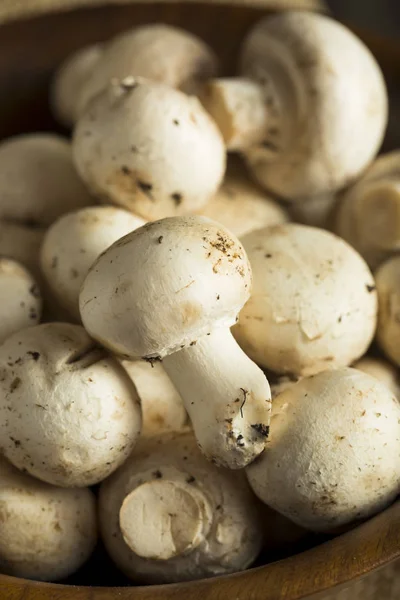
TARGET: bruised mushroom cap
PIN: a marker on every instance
(38, 182)
(241, 206)
(46, 532)
(70, 79)
(307, 64)
(169, 515)
(158, 52)
(150, 149)
(313, 304)
(21, 302)
(70, 415)
(334, 452)
(162, 406)
(388, 330)
(165, 285)
(382, 370)
(73, 243)
(368, 215)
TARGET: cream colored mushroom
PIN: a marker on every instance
(281, 384)
(382, 370)
(313, 304)
(162, 406)
(158, 52)
(388, 330)
(241, 206)
(150, 149)
(69, 80)
(69, 414)
(169, 515)
(21, 301)
(287, 113)
(170, 291)
(73, 243)
(38, 183)
(368, 215)
(334, 453)
(46, 532)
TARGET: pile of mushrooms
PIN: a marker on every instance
(188, 314)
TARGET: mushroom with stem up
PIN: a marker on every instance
(388, 330)
(168, 515)
(170, 291)
(310, 109)
(69, 413)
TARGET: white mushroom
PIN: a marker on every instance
(313, 304)
(72, 244)
(368, 215)
(170, 291)
(46, 532)
(150, 149)
(69, 80)
(241, 206)
(38, 183)
(69, 414)
(158, 52)
(388, 330)
(162, 406)
(382, 370)
(334, 453)
(281, 384)
(309, 112)
(169, 515)
(21, 301)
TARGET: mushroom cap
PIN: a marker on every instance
(46, 532)
(313, 304)
(70, 79)
(162, 406)
(368, 214)
(38, 182)
(158, 52)
(382, 370)
(388, 330)
(69, 413)
(327, 99)
(242, 206)
(334, 452)
(219, 515)
(165, 285)
(21, 301)
(72, 244)
(150, 149)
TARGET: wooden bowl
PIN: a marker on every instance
(29, 52)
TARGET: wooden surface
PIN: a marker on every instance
(29, 52)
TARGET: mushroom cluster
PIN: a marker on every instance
(187, 307)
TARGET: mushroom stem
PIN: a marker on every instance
(163, 519)
(226, 395)
(240, 109)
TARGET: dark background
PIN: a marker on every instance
(378, 15)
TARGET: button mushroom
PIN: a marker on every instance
(38, 183)
(313, 304)
(382, 370)
(46, 533)
(73, 243)
(69, 80)
(242, 206)
(310, 110)
(158, 52)
(149, 148)
(368, 215)
(70, 415)
(171, 290)
(388, 330)
(169, 515)
(21, 301)
(334, 453)
(162, 406)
